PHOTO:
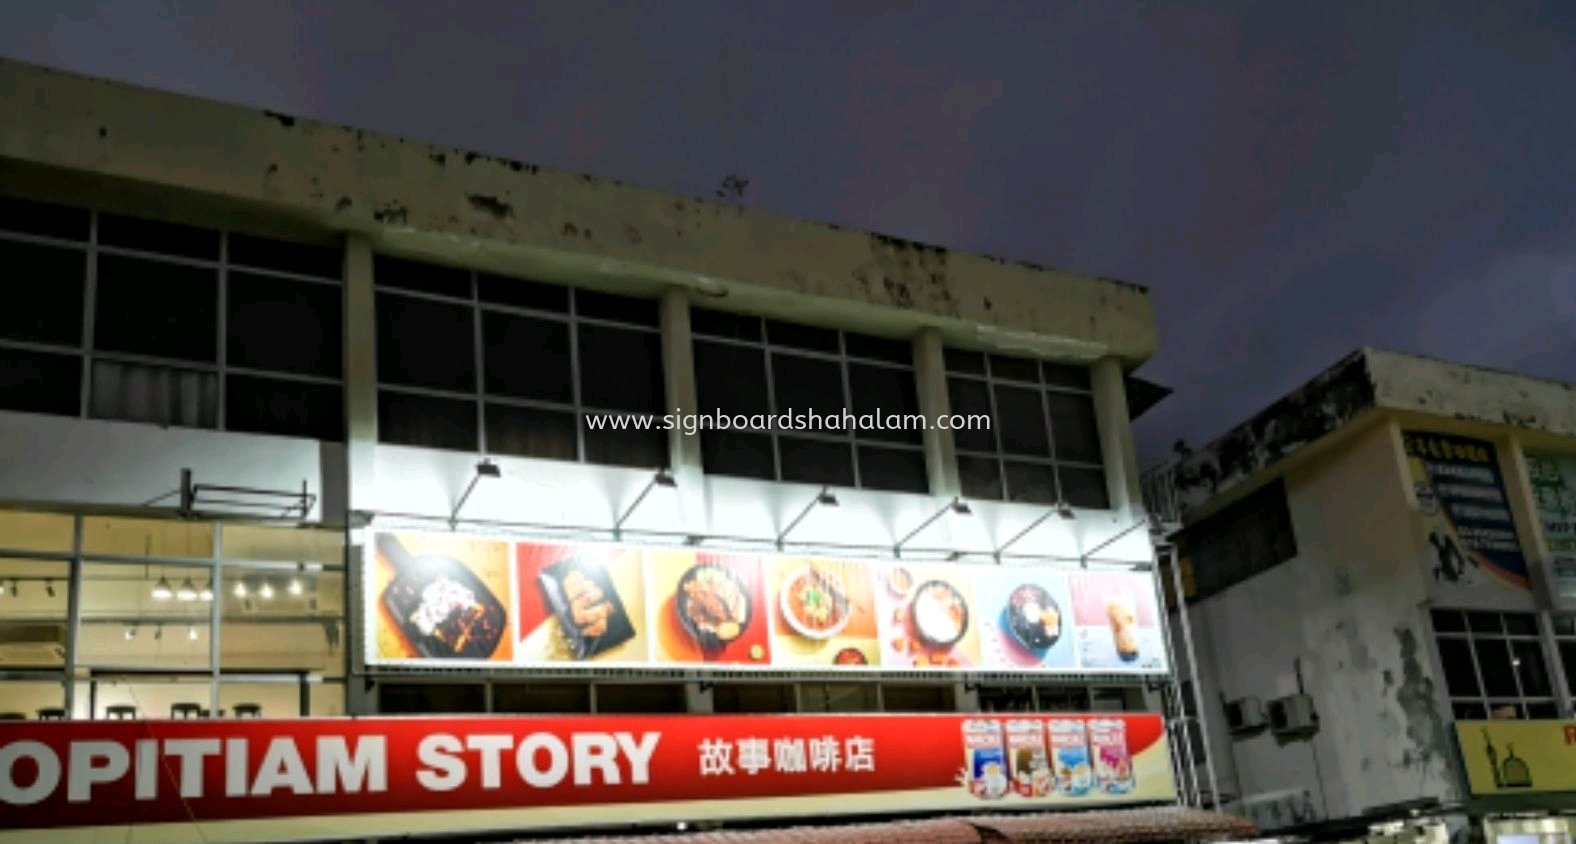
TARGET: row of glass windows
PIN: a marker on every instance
(144, 321)
(1496, 666)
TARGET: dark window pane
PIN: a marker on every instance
(1015, 369)
(388, 271)
(159, 395)
(426, 421)
(620, 369)
(640, 699)
(917, 698)
(1084, 487)
(1460, 677)
(531, 432)
(1449, 621)
(153, 308)
(878, 348)
(708, 323)
(1031, 483)
(43, 219)
(628, 446)
(1521, 624)
(430, 698)
(808, 384)
(980, 478)
(542, 698)
(754, 698)
(972, 363)
(422, 343)
(816, 461)
(1059, 375)
(35, 382)
(1564, 625)
(626, 309)
(1074, 428)
(1542, 710)
(154, 236)
(284, 326)
(1020, 420)
(738, 454)
(527, 357)
(1527, 656)
(326, 262)
(1499, 677)
(519, 293)
(1568, 660)
(286, 408)
(885, 391)
(44, 287)
(1485, 622)
(1469, 711)
(892, 469)
(730, 379)
(795, 336)
(968, 397)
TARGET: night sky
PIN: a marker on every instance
(1290, 180)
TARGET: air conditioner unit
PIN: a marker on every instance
(1293, 716)
(1244, 715)
(32, 645)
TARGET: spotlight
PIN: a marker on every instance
(266, 591)
(191, 633)
(295, 586)
(162, 590)
(187, 592)
(240, 589)
(207, 590)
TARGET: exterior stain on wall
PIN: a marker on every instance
(492, 206)
(393, 214)
(632, 235)
(1313, 411)
(344, 204)
(1425, 728)
(909, 272)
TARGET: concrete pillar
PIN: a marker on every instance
(361, 372)
(966, 697)
(697, 698)
(1116, 437)
(678, 365)
(941, 451)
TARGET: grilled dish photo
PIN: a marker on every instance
(713, 605)
(439, 606)
(587, 606)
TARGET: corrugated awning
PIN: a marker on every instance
(1116, 826)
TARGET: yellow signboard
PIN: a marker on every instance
(1518, 757)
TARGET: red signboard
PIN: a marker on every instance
(294, 780)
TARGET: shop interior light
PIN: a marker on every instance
(162, 590)
(266, 591)
(158, 631)
(484, 469)
(207, 590)
(662, 478)
(1059, 509)
(49, 588)
(131, 631)
(823, 498)
(295, 586)
(187, 591)
(191, 633)
(957, 506)
(240, 589)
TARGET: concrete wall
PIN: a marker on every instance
(450, 204)
(1411, 383)
(1349, 607)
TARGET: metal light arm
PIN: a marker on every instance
(824, 496)
(662, 478)
(1059, 510)
(1084, 557)
(484, 469)
(956, 505)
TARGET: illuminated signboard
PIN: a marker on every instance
(319, 779)
(450, 599)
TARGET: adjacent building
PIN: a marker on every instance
(277, 397)
(1379, 574)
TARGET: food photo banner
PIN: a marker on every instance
(313, 779)
(457, 600)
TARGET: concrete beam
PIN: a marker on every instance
(448, 204)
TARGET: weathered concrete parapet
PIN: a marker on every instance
(451, 203)
(1467, 393)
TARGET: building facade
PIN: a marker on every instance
(1378, 574)
(245, 348)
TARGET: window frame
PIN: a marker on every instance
(1042, 389)
(1466, 635)
(479, 397)
(844, 361)
(87, 352)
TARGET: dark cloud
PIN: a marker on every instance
(1291, 181)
